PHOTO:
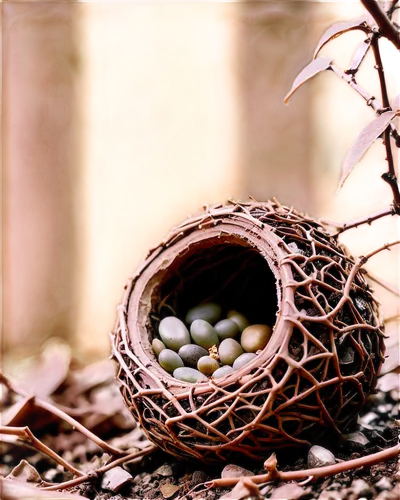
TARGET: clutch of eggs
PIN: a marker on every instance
(207, 345)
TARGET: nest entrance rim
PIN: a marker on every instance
(227, 233)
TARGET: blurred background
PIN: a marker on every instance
(120, 118)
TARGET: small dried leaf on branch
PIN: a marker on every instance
(340, 28)
(316, 66)
(396, 103)
(364, 141)
(359, 56)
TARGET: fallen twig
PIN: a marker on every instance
(330, 470)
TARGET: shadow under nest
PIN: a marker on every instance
(277, 267)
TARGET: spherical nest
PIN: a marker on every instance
(278, 267)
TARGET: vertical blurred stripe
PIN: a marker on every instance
(160, 109)
(40, 68)
(274, 41)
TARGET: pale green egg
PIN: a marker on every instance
(208, 311)
(239, 319)
(221, 372)
(243, 359)
(227, 329)
(157, 346)
(173, 333)
(170, 360)
(189, 375)
(203, 334)
(229, 350)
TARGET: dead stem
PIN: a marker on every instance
(51, 408)
(131, 457)
(368, 219)
(328, 470)
(78, 426)
(26, 436)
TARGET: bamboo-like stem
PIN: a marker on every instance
(101, 470)
(329, 470)
(26, 436)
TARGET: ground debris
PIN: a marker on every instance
(91, 396)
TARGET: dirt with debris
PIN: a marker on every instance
(90, 396)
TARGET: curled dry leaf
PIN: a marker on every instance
(364, 141)
(244, 488)
(312, 69)
(48, 371)
(15, 490)
(25, 472)
(340, 28)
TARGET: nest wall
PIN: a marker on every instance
(275, 265)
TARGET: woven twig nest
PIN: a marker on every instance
(278, 267)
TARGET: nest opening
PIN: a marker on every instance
(228, 271)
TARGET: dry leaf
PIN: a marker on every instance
(312, 69)
(47, 371)
(396, 103)
(290, 491)
(168, 490)
(244, 488)
(15, 490)
(359, 56)
(364, 141)
(338, 29)
(25, 472)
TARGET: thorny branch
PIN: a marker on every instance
(345, 226)
(390, 176)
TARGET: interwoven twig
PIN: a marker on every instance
(316, 371)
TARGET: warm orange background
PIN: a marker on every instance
(121, 118)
